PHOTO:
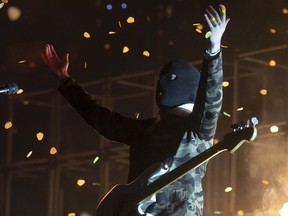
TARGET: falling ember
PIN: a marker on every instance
(198, 30)
(224, 46)
(226, 114)
(273, 31)
(265, 182)
(272, 63)
(240, 213)
(20, 91)
(274, 129)
(208, 34)
(95, 159)
(263, 91)
(81, 182)
(130, 20)
(225, 84)
(146, 53)
(228, 189)
(85, 65)
(21, 61)
(39, 136)
(284, 210)
(86, 35)
(240, 109)
(119, 23)
(125, 49)
(29, 154)
(111, 32)
(53, 151)
(8, 125)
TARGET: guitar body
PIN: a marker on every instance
(121, 200)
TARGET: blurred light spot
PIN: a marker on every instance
(285, 11)
(125, 49)
(130, 20)
(284, 210)
(53, 151)
(148, 18)
(240, 109)
(96, 184)
(29, 154)
(21, 61)
(86, 35)
(85, 214)
(26, 102)
(240, 213)
(5, 1)
(95, 159)
(265, 182)
(40, 136)
(81, 182)
(123, 5)
(272, 63)
(218, 212)
(120, 25)
(263, 91)
(226, 114)
(109, 7)
(107, 46)
(208, 34)
(169, 11)
(13, 13)
(273, 31)
(146, 53)
(111, 32)
(225, 84)
(85, 65)
(171, 43)
(20, 91)
(1, 5)
(274, 129)
(228, 189)
(31, 64)
(71, 214)
(8, 125)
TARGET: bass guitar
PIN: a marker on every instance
(132, 199)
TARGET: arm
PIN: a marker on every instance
(209, 96)
(109, 124)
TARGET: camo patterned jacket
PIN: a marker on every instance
(152, 140)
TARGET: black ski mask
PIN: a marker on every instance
(177, 84)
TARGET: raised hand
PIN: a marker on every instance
(217, 23)
(59, 67)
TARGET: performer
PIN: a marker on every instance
(187, 123)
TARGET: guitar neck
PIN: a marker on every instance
(180, 171)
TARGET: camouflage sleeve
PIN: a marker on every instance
(209, 96)
(111, 125)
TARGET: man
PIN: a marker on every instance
(179, 135)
